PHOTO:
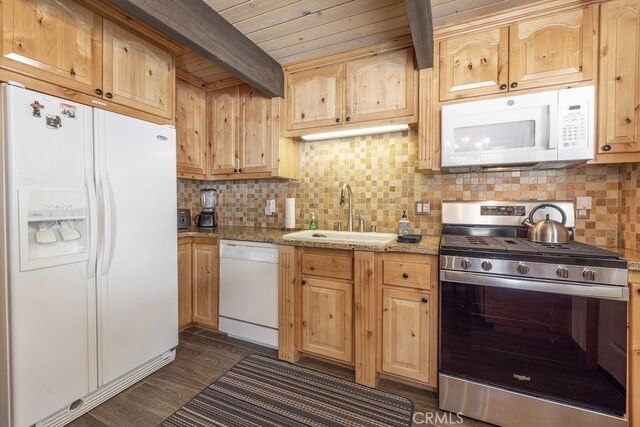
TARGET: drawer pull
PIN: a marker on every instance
(425, 300)
(405, 275)
(304, 282)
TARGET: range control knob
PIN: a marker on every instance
(465, 264)
(589, 275)
(562, 272)
(523, 268)
(486, 265)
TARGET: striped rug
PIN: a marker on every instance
(261, 391)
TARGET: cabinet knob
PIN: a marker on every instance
(405, 275)
(514, 85)
(109, 95)
(304, 282)
(425, 300)
(99, 92)
(240, 170)
(337, 119)
(302, 116)
(606, 147)
(235, 171)
(503, 86)
(348, 119)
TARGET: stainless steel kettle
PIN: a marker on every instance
(548, 230)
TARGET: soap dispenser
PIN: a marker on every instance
(404, 225)
(313, 224)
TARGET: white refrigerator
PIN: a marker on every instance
(88, 292)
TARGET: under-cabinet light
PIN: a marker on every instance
(354, 132)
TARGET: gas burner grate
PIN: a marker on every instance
(473, 240)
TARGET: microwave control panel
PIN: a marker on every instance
(574, 119)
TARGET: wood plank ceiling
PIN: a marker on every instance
(297, 30)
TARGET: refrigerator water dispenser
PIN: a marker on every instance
(53, 228)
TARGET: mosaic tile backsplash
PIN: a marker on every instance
(381, 171)
(630, 206)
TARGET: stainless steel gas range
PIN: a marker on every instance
(530, 333)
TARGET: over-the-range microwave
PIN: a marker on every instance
(544, 130)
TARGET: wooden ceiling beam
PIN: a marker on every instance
(421, 23)
(197, 26)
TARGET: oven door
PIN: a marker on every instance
(509, 130)
(566, 343)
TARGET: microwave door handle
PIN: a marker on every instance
(617, 293)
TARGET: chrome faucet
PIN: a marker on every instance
(361, 224)
(347, 188)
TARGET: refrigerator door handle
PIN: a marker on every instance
(93, 224)
(109, 229)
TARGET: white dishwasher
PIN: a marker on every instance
(249, 291)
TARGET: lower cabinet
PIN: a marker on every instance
(198, 282)
(407, 333)
(327, 326)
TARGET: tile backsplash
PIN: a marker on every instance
(381, 171)
(629, 206)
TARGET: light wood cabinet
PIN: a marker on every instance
(619, 89)
(375, 89)
(69, 45)
(380, 87)
(137, 73)
(408, 317)
(205, 283)
(557, 49)
(47, 41)
(185, 316)
(327, 325)
(429, 122)
(407, 328)
(245, 136)
(256, 131)
(315, 97)
(474, 64)
(191, 131)
(224, 112)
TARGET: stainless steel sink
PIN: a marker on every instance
(348, 237)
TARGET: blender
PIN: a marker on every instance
(208, 200)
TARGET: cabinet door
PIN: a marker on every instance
(184, 285)
(205, 284)
(619, 89)
(136, 73)
(327, 325)
(315, 97)
(58, 42)
(191, 135)
(556, 49)
(380, 87)
(256, 131)
(407, 328)
(474, 64)
(224, 110)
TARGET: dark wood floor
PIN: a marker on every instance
(202, 357)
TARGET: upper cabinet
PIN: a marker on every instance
(619, 88)
(191, 130)
(374, 89)
(245, 136)
(68, 45)
(315, 97)
(46, 40)
(136, 73)
(559, 49)
(474, 64)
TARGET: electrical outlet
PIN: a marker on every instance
(272, 205)
(422, 208)
(582, 213)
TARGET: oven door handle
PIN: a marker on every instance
(616, 293)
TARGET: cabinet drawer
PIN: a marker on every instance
(407, 274)
(328, 265)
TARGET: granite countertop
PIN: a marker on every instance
(428, 245)
(632, 257)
